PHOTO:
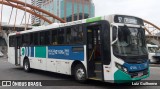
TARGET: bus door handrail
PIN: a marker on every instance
(92, 53)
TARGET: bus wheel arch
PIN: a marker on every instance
(26, 64)
(78, 66)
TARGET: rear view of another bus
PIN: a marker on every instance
(154, 53)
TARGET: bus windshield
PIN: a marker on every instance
(130, 42)
(153, 49)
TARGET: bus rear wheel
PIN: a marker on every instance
(80, 73)
(26, 65)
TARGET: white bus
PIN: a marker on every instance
(107, 48)
(154, 53)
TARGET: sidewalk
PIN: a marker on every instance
(154, 65)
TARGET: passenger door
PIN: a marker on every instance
(94, 52)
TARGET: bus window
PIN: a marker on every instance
(19, 41)
(11, 41)
(31, 39)
(61, 36)
(42, 38)
(68, 36)
(47, 37)
(77, 34)
(80, 34)
(35, 38)
(25, 39)
(54, 37)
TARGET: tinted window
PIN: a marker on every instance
(25, 39)
(54, 37)
(68, 36)
(11, 41)
(35, 38)
(76, 34)
(31, 39)
(42, 38)
(61, 36)
(19, 41)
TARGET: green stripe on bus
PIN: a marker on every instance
(121, 77)
(40, 52)
(93, 19)
(23, 51)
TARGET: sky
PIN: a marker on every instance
(146, 9)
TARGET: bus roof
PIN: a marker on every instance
(56, 25)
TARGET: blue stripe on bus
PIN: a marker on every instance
(65, 53)
(136, 67)
(26, 50)
(29, 51)
(32, 51)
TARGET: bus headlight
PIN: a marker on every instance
(119, 66)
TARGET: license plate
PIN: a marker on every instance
(140, 74)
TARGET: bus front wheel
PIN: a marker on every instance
(80, 73)
(26, 65)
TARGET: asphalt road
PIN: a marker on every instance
(11, 72)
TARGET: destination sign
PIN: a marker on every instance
(128, 20)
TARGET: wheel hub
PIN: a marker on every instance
(80, 74)
(26, 66)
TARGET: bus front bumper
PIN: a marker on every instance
(122, 77)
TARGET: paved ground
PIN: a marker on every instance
(11, 72)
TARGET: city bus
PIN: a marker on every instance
(153, 53)
(110, 48)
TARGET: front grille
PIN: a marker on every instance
(138, 73)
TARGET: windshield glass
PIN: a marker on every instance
(131, 42)
(152, 49)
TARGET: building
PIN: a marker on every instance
(69, 10)
(36, 20)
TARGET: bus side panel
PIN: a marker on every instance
(11, 55)
(60, 58)
(33, 62)
(64, 66)
(41, 57)
(51, 65)
(36, 55)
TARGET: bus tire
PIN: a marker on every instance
(26, 65)
(80, 73)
